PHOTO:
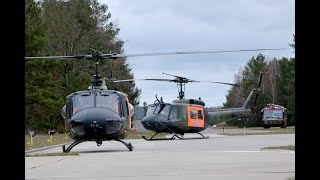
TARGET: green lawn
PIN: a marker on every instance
(257, 131)
(40, 141)
(289, 147)
(44, 141)
(54, 154)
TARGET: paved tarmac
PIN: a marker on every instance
(219, 157)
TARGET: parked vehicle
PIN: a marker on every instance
(274, 115)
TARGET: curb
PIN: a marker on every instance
(44, 148)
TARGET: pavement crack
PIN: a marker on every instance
(34, 167)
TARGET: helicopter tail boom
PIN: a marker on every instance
(223, 115)
(249, 97)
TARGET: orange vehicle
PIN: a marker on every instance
(274, 115)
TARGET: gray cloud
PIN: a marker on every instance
(184, 25)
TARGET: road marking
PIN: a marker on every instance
(289, 152)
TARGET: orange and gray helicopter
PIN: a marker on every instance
(189, 115)
(100, 114)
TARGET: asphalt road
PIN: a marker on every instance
(219, 157)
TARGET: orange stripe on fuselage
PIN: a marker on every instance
(195, 122)
(129, 113)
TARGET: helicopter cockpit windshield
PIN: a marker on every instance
(162, 109)
(151, 109)
(109, 101)
(81, 101)
(169, 111)
(103, 100)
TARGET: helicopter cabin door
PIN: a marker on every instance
(195, 116)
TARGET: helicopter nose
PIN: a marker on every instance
(146, 122)
(97, 121)
(153, 122)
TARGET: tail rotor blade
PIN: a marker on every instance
(258, 89)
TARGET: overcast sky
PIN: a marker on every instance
(149, 26)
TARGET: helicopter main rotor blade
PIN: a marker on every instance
(166, 80)
(221, 83)
(61, 57)
(114, 55)
(184, 52)
(126, 80)
(174, 80)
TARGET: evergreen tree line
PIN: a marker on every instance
(64, 28)
(277, 87)
(54, 27)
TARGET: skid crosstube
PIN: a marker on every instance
(128, 145)
(157, 139)
(179, 136)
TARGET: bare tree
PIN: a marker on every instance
(235, 98)
(238, 99)
(272, 76)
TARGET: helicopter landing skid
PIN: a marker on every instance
(173, 137)
(203, 137)
(157, 139)
(71, 146)
(151, 139)
(129, 145)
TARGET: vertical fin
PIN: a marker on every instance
(259, 85)
(248, 99)
(251, 92)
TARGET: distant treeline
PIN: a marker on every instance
(72, 27)
(278, 85)
(67, 28)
